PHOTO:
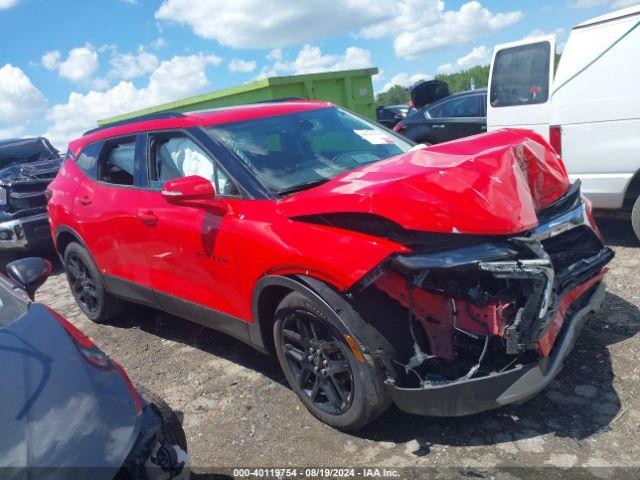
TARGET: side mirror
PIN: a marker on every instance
(193, 187)
(30, 273)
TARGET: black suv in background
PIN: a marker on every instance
(27, 166)
(390, 115)
(455, 116)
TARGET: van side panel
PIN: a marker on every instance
(596, 101)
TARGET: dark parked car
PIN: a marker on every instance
(66, 409)
(390, 115)
(27, 166)
(455, 116)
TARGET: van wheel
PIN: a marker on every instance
(338, 389)
(87, 287)
(635, 218)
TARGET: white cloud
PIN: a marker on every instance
(541, 33)
(624, 3)
(158, 43)
(51, 60)
(131, 65)
(416, 26)
(405, 15)
(15, 131)
(453, 28)
(173, 79)
(79, 66)
(559, 33)
(478, 56)
(8, 4)
(586, 3)
(274, 23)
(239, 65)
(20, 100)
(405, 80)
(310, 59)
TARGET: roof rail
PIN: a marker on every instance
(140, 118)
(281, 99)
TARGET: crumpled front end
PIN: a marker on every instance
(489, 322)
(27, 166)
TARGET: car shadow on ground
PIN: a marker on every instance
(206, 339)
(617, 231)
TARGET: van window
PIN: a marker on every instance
(117, 162)
(521, 75)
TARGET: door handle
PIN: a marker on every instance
(84, 200)
(437, 126)
(483, 128)
(148, 217)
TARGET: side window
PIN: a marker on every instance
(87, 161)
(117, 161)
(174, 155)
(521, 75)
(466, 106)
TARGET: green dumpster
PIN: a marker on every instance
(352, 89)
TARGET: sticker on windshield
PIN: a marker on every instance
(375, 137)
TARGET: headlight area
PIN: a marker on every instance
(470, 324)
(152, 456)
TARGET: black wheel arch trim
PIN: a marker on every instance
(327, 299)
(66, 229)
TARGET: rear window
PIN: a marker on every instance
(465, 106)
(521, 75)
(117, 162)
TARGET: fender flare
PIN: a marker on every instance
(305, 285)
(66, 229)
(330, 302)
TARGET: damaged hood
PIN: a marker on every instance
(489, 184)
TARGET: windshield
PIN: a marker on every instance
(298, 150)
(11, 308)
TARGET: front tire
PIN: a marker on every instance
(323, 371)
(635, 218)
(87, 287)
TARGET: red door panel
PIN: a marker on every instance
(106, 218)
(190, 256)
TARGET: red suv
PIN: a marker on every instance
(447, 280)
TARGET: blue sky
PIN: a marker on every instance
(65, 63)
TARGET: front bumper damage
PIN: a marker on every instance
(152, 457)
(490, 323)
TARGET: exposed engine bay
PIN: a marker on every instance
(484, 308)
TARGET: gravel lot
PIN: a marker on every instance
(238, 411)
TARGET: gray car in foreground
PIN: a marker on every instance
(66, 409)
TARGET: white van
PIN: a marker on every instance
(589, 111)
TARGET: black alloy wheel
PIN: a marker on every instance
(82, 283)
(317, 361)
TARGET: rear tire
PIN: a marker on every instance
(635, 218)
(172, 426)
(87, 286)
(349, 393)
